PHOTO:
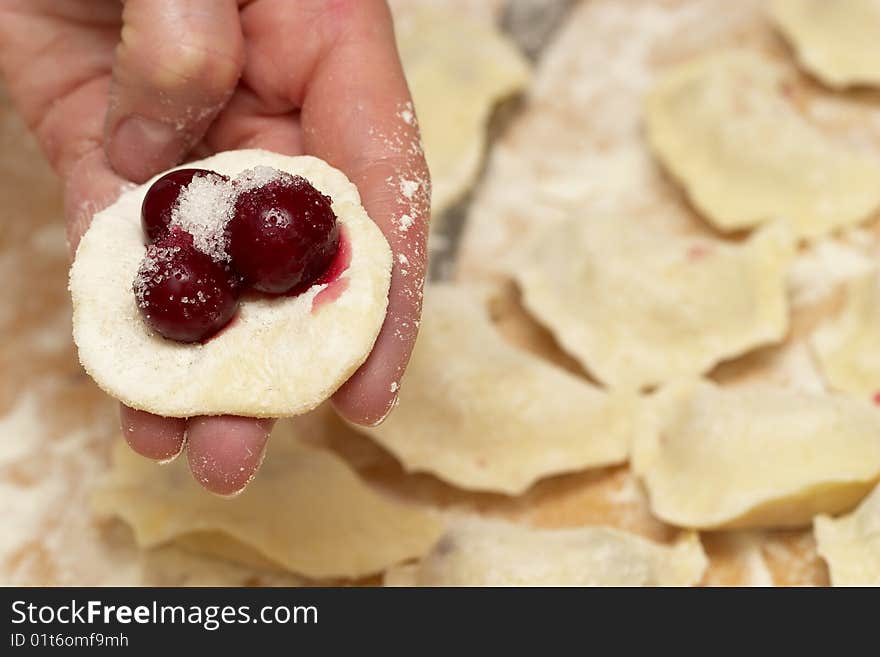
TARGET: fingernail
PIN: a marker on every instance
(174, 457)
(142, 147)
(391, 406)
(247, 482)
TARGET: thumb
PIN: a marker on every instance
(175, 67)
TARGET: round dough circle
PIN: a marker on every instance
(278, 357)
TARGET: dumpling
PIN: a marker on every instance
(457, 70)
(638, 306)
(484, 415)
(724, 129)
(479, 552)
(756, 456)
(838, 40)
(306, 512)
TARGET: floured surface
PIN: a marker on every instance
(355, 533)
(477, 552)
(483, 415)
(851, 544)
(848, 344)
(839, 41)
(759, 456)
(726, 130)
(278, 357)
(638, 306)
(457, 70)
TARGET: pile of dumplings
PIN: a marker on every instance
(658, 361)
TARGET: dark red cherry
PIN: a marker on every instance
(160, 199)
(282, 234)
(182, 293)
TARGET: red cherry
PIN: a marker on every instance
(181, 293)
(161, 198)
(282, 234)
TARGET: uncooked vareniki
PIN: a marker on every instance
(839, 40)
(457, 71)
(306, 512)
(479, 552)
(484, 415)
(757, 456)
(637, 306)
(723, 127)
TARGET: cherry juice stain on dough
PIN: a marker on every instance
(698, 252)
(332, 278)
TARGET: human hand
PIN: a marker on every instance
(117, 93)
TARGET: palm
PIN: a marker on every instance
(315, 77)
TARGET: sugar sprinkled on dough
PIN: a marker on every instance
(206, 206)
(151, 271)
(256, 177)
(203, 209)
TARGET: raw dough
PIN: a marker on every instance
(838, 40)
(483, 415)
(851, 544)
(457, 71)
(724, 129)
(306, 512)
(638, 306)
(848, 345)
(758, 456)
(477, 552)
(277, 358)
